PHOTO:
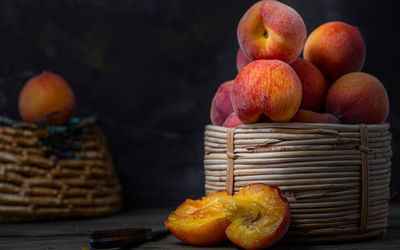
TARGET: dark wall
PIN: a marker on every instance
(149, 69)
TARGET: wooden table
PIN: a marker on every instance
(73, 234)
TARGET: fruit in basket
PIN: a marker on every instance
(313, 83)
(336, 48)
(308, 116)
(260, 216)
(266, 88)
(271, 30)
(44, 94)
(199, 222)
(358, 98)
(221, 106)
(232, 121)
(241, 60)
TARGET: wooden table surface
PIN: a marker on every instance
(73, 234)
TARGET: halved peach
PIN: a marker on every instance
(260, 216)
(200, 222)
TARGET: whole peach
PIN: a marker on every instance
(232, 121)
(241, 60)
(308, 116)
(44, 94)
(221, 106)
(336, 48)
(266, 87)
(313, 83)
(271, 30)
(358, 98)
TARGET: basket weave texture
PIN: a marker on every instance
(40, 180)
(336, 177)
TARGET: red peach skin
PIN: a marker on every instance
(307, 116)
(221, 106)
(313, 83)
(266, 87)
(232, 121)
(357, 98)
(271, 30)
(336, 48)
(241, 60)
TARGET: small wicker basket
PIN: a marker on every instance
(335, 177)
(55, 172)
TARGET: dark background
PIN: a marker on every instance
(149, 69)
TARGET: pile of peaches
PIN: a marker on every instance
(275, 85)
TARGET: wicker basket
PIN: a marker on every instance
(336, 177)
(46, 174)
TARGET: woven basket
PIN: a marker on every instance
(335, 177)
(45, 176)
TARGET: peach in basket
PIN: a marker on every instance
(199, 222)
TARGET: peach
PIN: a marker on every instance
(308, 116)
(241, 60)
(271, 30)
(357, 98)
(200, 222)
(44, 94)
(336, 48)
(221, 106)
(266, 88)
(259, 215)
(313, 83)
(232, 121)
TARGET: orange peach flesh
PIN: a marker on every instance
(199, 222)
(266, 87)
(260, 216)
(271, 30)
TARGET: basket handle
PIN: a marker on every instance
(364, 178)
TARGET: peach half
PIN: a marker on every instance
(260, 216)
(271, 30)
(266, 88)
(221, 105)
(200, 222)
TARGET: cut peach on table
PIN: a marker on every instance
(271, 30)
(200, 222)
(307, 116)
(221, 105)
(260, 216)
(313, 84)
(336, 48)
(268, 88)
